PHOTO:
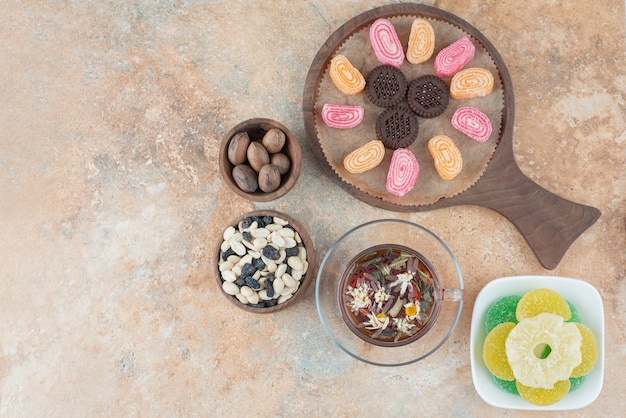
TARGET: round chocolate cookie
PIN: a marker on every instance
(397, 127)
(385, 86)
(428, 96)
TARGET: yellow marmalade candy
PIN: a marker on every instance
(544, 397)
(589, 351)
(542, 300)
(494, 351)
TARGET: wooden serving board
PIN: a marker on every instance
(548, 222)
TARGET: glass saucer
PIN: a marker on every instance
(394, 233)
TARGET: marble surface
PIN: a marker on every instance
(111, 116)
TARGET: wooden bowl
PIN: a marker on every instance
(256, 128)
(305, 281)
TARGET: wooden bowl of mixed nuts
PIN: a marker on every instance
(260, 159)
(265, 261)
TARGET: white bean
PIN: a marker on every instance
(229, 276)
(226, 265)
(295, 263)
(260, 233)
(287, 232)
(259, 243)
(284, 298)
(289, 281)
(230, 288)
(253, 298)
(273, 227)
(242, 298)
(290, 242)
(238, 248)
(282, 268)
(278, 285)
(229, 232)
(296, 274)
(277, 239)
(246, 259)
(280, 221)
(246, 291)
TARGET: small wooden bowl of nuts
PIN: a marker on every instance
(265, 261)
(260, 159)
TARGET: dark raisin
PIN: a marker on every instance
(269, 289)
(259, 221)
(248, 270)
(240, 281)
(258, 305)
(268, 220)
(258, 263)
(227, 253)
(292, 251)
(246, 235)
(271, 253)
(271, 302)
(247, 223)
(289, 270)
(252, 283)
(270, 277)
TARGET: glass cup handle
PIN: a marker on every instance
(452, 294)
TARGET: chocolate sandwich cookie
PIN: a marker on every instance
(397, 127)
(385, 86)
(428, 96)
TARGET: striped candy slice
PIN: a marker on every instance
(454, 57)
(473, 123)
(385, 43)
(345, 76)
(342, 116)
(403, 172)
(365, 157)
(470, 83)
(421, 42)
(446, 156)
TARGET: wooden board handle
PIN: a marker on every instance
(549, 223)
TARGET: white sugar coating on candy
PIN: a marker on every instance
(385, 43)
(473, 123)
(342, 116)
(403, 172)
(452, 58)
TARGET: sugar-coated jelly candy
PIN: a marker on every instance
(502, 310)
(542, 300)
(589, 351)
(544, 397)
(494, 351)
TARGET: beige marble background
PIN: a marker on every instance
(111, 115)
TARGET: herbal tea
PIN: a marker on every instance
(387, 295)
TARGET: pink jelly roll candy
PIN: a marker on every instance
(403, 171)
(385, 43)
(473, 123)
(454, 57)
(342, 116)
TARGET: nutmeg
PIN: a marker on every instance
(281, 161)
(269, 178)
(257, 156)
(238, 147)
(273, 140)
(245, 178)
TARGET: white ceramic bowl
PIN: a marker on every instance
(587, 301)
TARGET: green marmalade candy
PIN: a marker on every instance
(502, 310)
(507, 385)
